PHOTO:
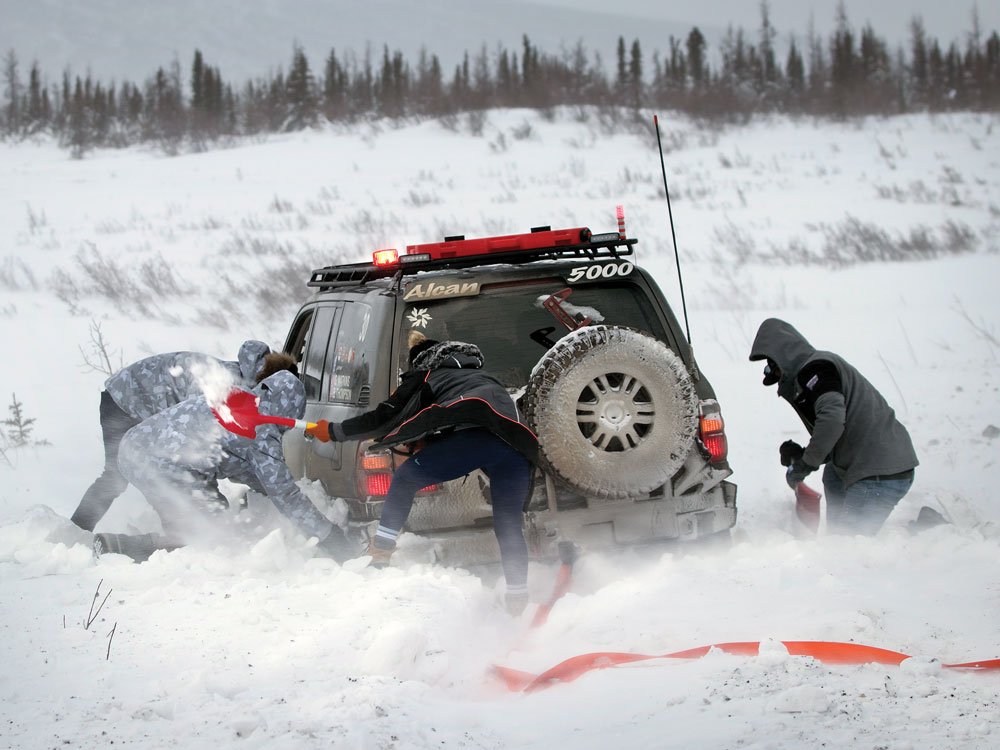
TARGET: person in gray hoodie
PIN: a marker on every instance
(147, 387)
(868, 453)
(176, 458)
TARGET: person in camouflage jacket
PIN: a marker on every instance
(145, 388)
(176, 458)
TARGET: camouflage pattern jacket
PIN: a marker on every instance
(149, 386)
(186, 447)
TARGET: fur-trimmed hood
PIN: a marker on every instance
(455, 354)
(251, 359)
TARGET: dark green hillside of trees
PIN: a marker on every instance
(849, 73)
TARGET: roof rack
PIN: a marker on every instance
(610, 245)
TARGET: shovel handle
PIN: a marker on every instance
(285, 421)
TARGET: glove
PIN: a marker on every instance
(797, 471)
(321, 431)
(790, 450)
(515, 602)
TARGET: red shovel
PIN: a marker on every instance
(239, 414)
(807, 506)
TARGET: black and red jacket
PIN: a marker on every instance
(451, 392)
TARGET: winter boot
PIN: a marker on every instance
(928, 518)
(139, 547)
(336, 546)
(515, 601)
(380, 555)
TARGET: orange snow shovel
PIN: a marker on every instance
(239, 414)
(807, 506)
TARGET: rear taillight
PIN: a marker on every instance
(712, 431)
(375, 474)
(376, 462)
(377, 485)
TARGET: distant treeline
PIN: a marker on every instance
(846, 74)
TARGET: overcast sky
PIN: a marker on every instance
(945, 19)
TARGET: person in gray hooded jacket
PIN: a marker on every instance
(868, 453)
(145, 388)
(176, 457)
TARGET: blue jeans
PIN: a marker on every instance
(863, 507)
(455, 456)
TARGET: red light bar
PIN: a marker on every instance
(385, 257)
(505, 244)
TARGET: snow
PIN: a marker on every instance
(250, 640)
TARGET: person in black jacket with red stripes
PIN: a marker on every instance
(466, 420)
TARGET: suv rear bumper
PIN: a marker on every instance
(613, 525)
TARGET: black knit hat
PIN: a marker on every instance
(419, 348)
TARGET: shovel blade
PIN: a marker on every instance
(238, 414)
(807, 506)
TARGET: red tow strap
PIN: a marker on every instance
(827, 652)
(564, 577)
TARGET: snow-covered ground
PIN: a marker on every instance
(257, 644)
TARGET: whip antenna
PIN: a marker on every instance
(673, 235)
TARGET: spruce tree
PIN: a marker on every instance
(621, 76)
(19, 426)
(300, 93)
(79, 128)
(843, 63)
(12, 92)
(795, 74)
(635, 75)
(35, 116)
(918, 61)
(696, 56)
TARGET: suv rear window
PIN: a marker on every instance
(513, 329)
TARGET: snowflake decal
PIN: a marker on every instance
(419, 317)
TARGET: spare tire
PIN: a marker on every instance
(614, 409)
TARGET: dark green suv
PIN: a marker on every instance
(632, 442)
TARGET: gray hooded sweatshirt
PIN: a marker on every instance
(851, 425)
(185, 451)
(149, 386)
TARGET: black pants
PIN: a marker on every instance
(455, 456)
(98, 498)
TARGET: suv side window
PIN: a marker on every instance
(315, 354)
(296, 343)
(351, 355)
